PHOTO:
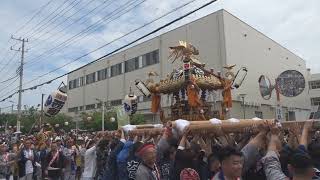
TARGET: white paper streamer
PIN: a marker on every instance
(158, 125)
(278, 124)
(181, 124)
(129, 127)
(233, 120)
(215, 121)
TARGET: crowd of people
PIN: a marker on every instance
(270, 153)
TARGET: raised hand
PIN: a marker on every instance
(308, 125)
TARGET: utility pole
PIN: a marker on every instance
(103, 109)
(41, 116)
(243, 105)
(22, 50)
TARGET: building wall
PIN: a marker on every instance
(220, 38)
(314, 92)
(247, 47)
(238, 111)
(117, 87)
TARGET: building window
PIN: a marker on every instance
(116, 70)
(99, 105)
(146, 99)
(291, 116)
(150, 58)
(74, 109)
(90, 106)
(102, 74)
(143, 99)
(315, 115)
(132, 64)
(314, 84)
(74, 84)
(258, 114)
(116, 102)
(315, 101)
(70, 84)
(91, 78)
(81, 108)
(82, 81)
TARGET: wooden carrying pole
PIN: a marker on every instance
(225, 126)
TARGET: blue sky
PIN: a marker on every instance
(295, 24)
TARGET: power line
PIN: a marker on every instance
(9, 60)
(2, 89)
(158, 18)
(20, 28)
(122, 46)
(9, 79)
(100, 6)
(61, 45)
(5, 107)
(44, 19)
(24, 25)
(116, 39)
(116, 50)
(55, 18)
(57, 25)
(8, 50)
(34, 16)
(5, 48)
(15, 66)
(106, 17)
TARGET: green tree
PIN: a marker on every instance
(95, 123)
(61, 119)
(96, 120)
(29, 118)
(10, 119)
(137, 119)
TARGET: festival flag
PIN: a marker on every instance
(122, 117)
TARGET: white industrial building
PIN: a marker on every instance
(222, 39)
(314, 86)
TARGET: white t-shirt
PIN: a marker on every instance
(90, 163)
(68, 153)
(29, 166)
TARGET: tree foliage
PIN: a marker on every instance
(94, 123)
(137, 119)
(30, 117)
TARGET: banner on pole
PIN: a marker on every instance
(122, 117)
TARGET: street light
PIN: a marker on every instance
(242, 96)
(103, 107)
(89, 118)
(112, 119)
(12, 106)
